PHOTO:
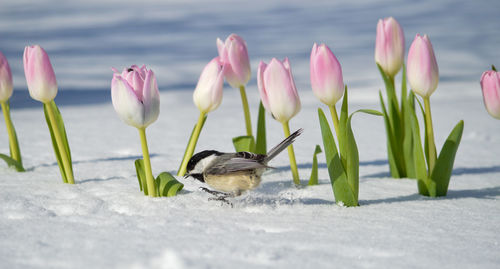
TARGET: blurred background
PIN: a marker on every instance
(176, 39)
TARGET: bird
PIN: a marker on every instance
(231, 174)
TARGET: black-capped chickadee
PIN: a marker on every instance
(233, 173)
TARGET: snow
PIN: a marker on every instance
(104, 221)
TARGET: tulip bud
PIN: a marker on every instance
(5, 79)
(326, 75)
(234, 53)
(422, 71)
(40, 76)
(135, 96)
(389, 46)
(208, 93)
(277, 89)
(490, 83)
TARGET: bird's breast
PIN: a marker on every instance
(234, 182)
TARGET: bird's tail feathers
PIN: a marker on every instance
(283, 145)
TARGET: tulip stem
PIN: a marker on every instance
(430, 135)
(246, 110)
(152, 190)
(60, 144)
(191, 145)
(15, 152)
(291, 155)
(335, 119)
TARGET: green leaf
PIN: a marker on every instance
(444, 164)
(261, 144)
(408, 109)
(352, 158)
(12, 163)
(393, 167)
(426, 138)
(344, 114)
(167, 184)
(54, 142)
(244, 143)
(395, 117)
(338, 177)
(425, 185)
(141, 175)
(313, 179)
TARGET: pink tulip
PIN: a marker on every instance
(135, 96)
(490, 83)
(234, 53)
(5, 79)
(277, 89)
(326, 75)
(389, 46)
(208, 93)
(422, 71)
(40, 76)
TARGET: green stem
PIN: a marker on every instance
(291, 155)
(150, 182)
(246, 110)
(430, 135)
(191, 145)
(60, 145)
(13, 143)
(335, 118)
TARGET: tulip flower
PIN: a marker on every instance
(234, 53)
(389, 46)
(279, 97)
(6, 90)
(6, 87)
(326, 79)
(39, 74)
(326, 75)
(422, 71)
(42, 86)
(135, 96)
(136, 100)
(207, 97)
(490, 84)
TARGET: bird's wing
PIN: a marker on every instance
(234, 165)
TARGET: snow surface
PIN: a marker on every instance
(104, 221)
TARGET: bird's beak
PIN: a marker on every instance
(187, 175)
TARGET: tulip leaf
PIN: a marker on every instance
(261, 144)
(244, 143)
(352, 158)
(344, 114)
(141, 175)
(425, 186)
(444, 164)
(394, 120)
(313, 179)
(391, 141)
(167, 185)
(12, 163)
(338, 177)
(408, 108)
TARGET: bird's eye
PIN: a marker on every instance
(130, 70)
